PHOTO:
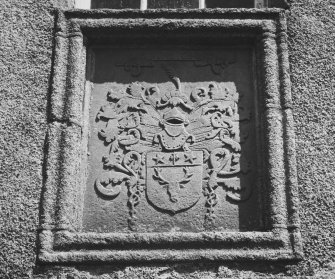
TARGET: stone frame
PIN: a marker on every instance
(60, 236)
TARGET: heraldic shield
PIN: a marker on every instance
(174, 180)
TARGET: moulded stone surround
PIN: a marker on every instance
(62, 238)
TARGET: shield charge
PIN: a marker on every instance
(174, 180)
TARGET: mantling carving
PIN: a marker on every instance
(186, 144)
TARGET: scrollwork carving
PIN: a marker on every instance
(153, 134)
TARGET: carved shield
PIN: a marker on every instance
(174, 180)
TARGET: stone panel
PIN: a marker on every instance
(246, 4)
(190, 110)
(26, 44)
(179, 138)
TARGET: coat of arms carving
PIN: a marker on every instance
(174, 180)
(169, 147)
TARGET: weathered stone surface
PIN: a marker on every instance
(169, 130)
(171, 140)
(26, 37)
(311, 46)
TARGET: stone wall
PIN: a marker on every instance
(26, 37)
(26, 41)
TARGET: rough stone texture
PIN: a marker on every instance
(108, 209)
(64, 170)
(311, 44)
(25, 51)
(25, 61)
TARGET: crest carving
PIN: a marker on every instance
(170, 147)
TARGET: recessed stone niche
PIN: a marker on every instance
(170, 139)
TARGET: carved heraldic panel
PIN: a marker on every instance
(163, 136)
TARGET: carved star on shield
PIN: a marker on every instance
(158, 159)
(189, 157)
